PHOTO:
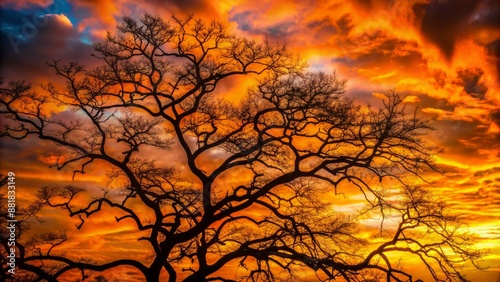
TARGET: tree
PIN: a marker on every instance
(290, 141)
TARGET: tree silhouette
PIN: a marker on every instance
(251, 189)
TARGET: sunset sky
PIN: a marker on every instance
(443, 54)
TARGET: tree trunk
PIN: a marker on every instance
(153, 277)
(207, 190)
(153, 274)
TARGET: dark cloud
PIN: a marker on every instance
(323, 26)
(470, 79)
(247, 22)
(244, 20)
(377, 48)
(443, 21)
(345, 23)
(23, 156)
(495, 117)
(17, 4)
(367, 4)
(449, 133)
(29, 41)
(200, 8)
(314, 31)
(188, 6)
(487, 172)
(487, 14)
(23, 148)
(458, 137)
(494, 50)
(439, 77)
(280, 31)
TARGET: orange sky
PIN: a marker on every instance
(444, 54)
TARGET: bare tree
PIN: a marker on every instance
(291, 140)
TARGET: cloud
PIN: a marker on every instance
(459, 113)
(25, 54)
(470, 80)
(441, 26)
(411, 99)
(379, 95)
(24, 4)
(98, 17)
